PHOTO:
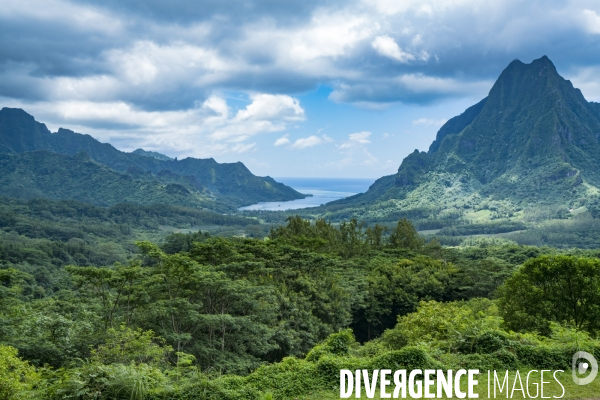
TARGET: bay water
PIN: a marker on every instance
(323, 190)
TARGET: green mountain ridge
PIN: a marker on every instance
(152, 154)
(532, 142)
(43, 174)
(230, 183)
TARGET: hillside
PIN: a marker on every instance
(42, 174)
(231, 183)
(531, 146)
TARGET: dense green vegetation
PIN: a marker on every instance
(37, 163)
(41, 236)
(205, 317)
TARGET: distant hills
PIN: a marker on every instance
(66, 165)
(532, 144)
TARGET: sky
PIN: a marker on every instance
(330, 88)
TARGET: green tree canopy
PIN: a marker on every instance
(564, 289)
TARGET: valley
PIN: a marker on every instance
(137, 275)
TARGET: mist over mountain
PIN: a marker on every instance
(229, 183)
(532, 142)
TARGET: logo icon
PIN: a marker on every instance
(581, 367)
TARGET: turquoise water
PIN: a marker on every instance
(323, 191)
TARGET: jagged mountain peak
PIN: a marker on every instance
(531, 116)
(533, 140)
(528, 83)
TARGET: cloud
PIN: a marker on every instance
(387, 47)
(354, 139)
(408, 88)
(310, 141)
(586, 79)
(266, 113)
(360, 137)
(592, 21)
(210, 128)
(356, 157)
(281, 141)
(429, 121)
(135, 70)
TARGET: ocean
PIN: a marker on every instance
(323, 191)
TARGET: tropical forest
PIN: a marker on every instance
(133, 275)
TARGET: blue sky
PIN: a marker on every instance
(313, 88)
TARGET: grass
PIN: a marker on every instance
(478, 216)
(579, 210)
(571, 390)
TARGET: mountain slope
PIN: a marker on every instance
(232, 183)
(532, 142)
(43, 174)
(152, 154)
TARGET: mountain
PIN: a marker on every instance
(231, 183)
(152, 154)
(43, 174)
(532, 143)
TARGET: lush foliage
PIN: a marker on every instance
(204, 317)
(564, 289)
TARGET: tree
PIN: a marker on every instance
(375, 236)
(17, 377)
(224, 323)
(564, 289)
(405, 236)
(125, 345)
(396, 288)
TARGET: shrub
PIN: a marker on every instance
(337, 344)
(290, 377)
(17, 377)
(545, 357)
(100, 382)
(407, 358)
(488, 342)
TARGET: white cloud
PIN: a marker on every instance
(203, 131)
(387, 47)
(242, 147)
(281, 141)
(429, 121)
(369, 159)
(310, 141)
(266, 113)
(81, 17)
(268, 106)
(356, 154)
(354, 139)
(356, 157)
(360, 137)
(140, 58)
(592, 21)
(165, 67)
(328, 36)
(160, 80)
(587, 80)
